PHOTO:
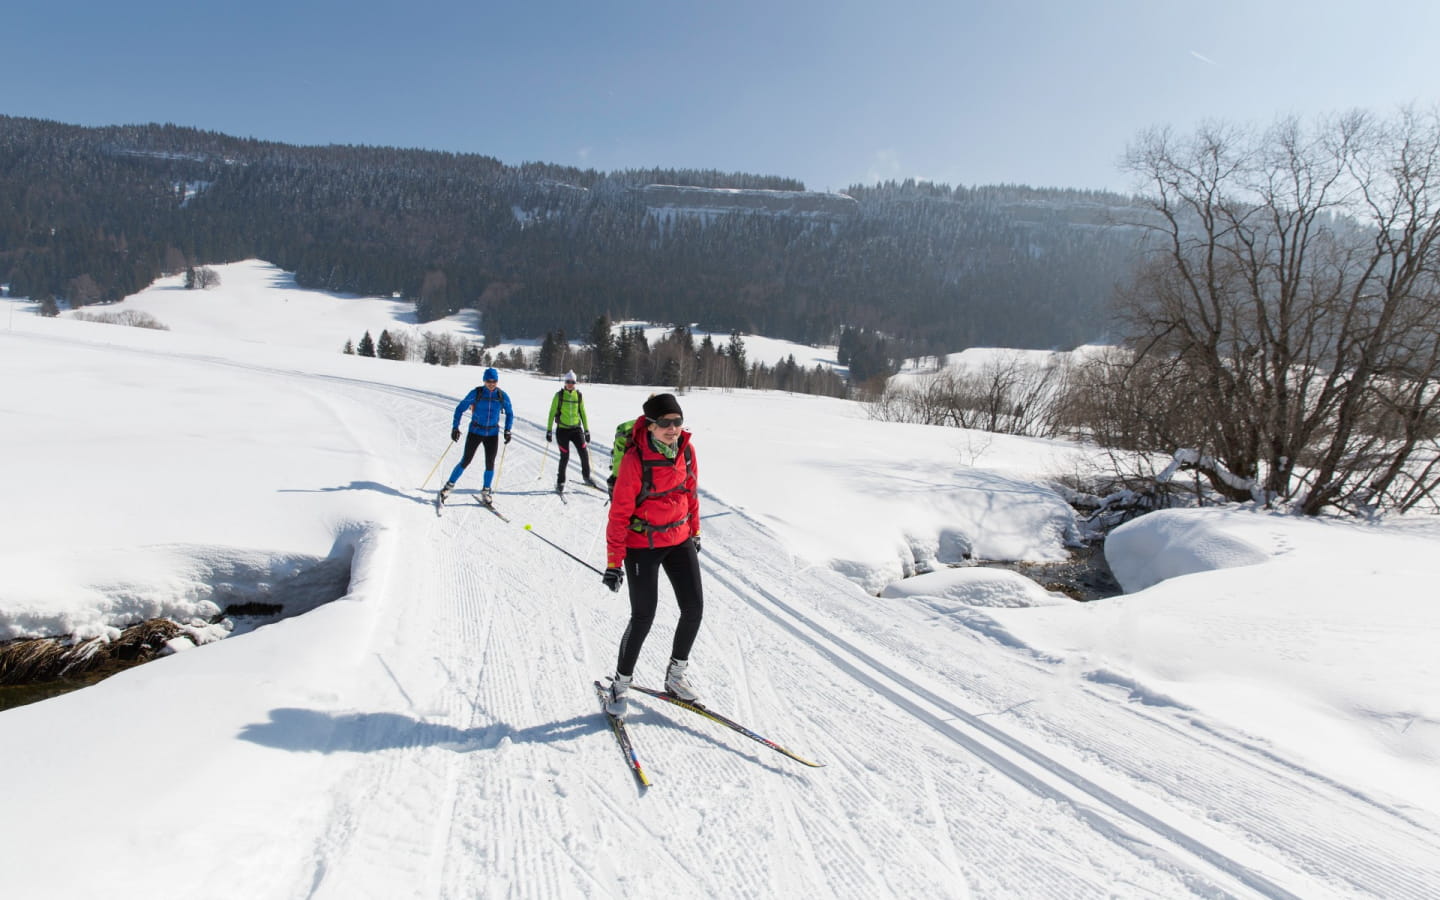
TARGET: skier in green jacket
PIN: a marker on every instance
(567, 418)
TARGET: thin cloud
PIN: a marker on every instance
(1205, 59)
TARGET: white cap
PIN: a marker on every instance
(570, 375)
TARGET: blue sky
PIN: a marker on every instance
(832, 93)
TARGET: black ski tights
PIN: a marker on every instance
(642, 571)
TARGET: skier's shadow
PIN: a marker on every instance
(374, 486)
(317, 731)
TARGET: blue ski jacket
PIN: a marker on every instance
(485, 405)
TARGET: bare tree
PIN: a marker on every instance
(1010, 393)
(443, 349)
(202, 278)
(1286, 327)
(82, 291)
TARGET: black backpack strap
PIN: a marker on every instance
(647, 491)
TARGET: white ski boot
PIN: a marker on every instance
(618, 705)
(675, 683)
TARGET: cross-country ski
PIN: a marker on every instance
(622, 736)
(702, 710)
(490, 505)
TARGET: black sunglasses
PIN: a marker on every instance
(673, 422)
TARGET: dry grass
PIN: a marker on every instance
(31, 660)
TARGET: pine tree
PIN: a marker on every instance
(736, 352)
(367, 345)
(603, 345)
(386, 348)
(562, 354)
(547, 361)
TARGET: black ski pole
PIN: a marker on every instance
(563, 550)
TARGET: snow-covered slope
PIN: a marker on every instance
(1265, 729)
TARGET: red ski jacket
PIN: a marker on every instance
(655, 503)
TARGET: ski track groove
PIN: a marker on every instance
(899, 691)
(1247, 807)
(1367, 870)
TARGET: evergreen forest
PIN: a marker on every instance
(91, 215)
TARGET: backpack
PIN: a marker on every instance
(559, 404)
(624, 440)
(500, 397)
(617, 450)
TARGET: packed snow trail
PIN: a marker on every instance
(1057, 820)
(444, 741)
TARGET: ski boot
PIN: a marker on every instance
(675, 683)
(618, 705)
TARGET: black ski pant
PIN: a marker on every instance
(642, 570)
(564, 437)
(473, 441)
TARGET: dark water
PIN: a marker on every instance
(1084, 576)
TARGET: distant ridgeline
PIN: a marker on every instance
(89, 215)
(669, 201)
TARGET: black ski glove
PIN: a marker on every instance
(549, 436)
(613, 578)
(507, 437)
(454, 434)
(696, 541)
(587, 437)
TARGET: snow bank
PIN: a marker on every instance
(1171, 543)
(977, 586)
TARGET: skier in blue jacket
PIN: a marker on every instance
(485, 404)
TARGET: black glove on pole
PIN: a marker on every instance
(613, 578)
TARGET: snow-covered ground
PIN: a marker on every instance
(758, 349)
(1257, 717)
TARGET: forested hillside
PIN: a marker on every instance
(91, 215)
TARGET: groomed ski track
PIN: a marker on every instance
(467, 758)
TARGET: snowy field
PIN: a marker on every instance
(1258, 716)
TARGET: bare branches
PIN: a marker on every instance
(1288, 319)
(1008, 393)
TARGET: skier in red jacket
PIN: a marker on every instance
(654, 524)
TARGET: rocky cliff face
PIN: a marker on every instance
(665, 200)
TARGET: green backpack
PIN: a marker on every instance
(624, 435)
(618, 447)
